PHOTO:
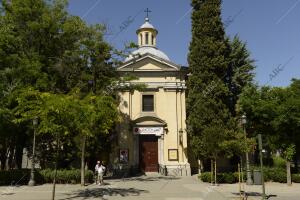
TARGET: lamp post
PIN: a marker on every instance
(32, 181)
(261, 167)
(181, 136)
(249, 178)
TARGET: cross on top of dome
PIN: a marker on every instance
(147, 33)
(147, 40)
(147, 11)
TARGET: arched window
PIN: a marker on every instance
(147, 38)
(141, 39)
(152, 42)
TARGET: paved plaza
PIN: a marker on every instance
(148, 187)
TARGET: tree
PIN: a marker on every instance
(56, 115)
(214, 133)
(13, 136)
(62, 115)
(274, 112)
(287, 124)
(48, 58)
(288, 155)
(240, 71)
(95, 115)
(33, 36)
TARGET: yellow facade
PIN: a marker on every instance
(165, 123)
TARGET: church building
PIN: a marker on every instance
(151, 136)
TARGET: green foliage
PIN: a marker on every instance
(21, 177)
(241, 70)
(275, 174)
(289, 152)
(208, 65)
(50, 62)
(17, 177)
(65, 176)
(270, 174)
(205, 176)
(66, 115)
(228, 177)
(32, 34)
(275, 113)
(296, 178)
(279, 162)
(216, 65)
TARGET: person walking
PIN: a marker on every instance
(96, 172)
(101, 171)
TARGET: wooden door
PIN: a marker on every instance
(148, 153)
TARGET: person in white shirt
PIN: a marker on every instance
(96, 171)
(101, 170)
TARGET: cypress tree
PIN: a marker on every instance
(213, 131)
(241, 68)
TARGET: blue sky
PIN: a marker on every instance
(271, 29)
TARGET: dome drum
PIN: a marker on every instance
(147, 42)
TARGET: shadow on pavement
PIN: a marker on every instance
(271, 195)
(9, 190)
(7, 194)
(254, 194)
(101, 192)
(146, 179)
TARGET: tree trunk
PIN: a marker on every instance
(215, 171)
(7, 158)
(3, 160)
(12, 159)
(82, 161)
(20, 143)
(212, 171)
(55, 168)
(239, 173)
(288, 172)
(199, 167)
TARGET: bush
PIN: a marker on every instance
(296, 178)
(21, 177)
(279, 162)
(270, 174)
(221, 177)
(65, 176)
(17, 177)
(226, 178)
(205, 176)
(275, 174)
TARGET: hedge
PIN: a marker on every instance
(15, 177)
(270, 174)
(275, 174)
(229, 177)
(21, 177)
(279, 162)
(66, 176)
(296, 178)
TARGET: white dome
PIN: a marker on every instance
(147, 25)
(152, 50)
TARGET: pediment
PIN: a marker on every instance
(149, 120)
(148, 63)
